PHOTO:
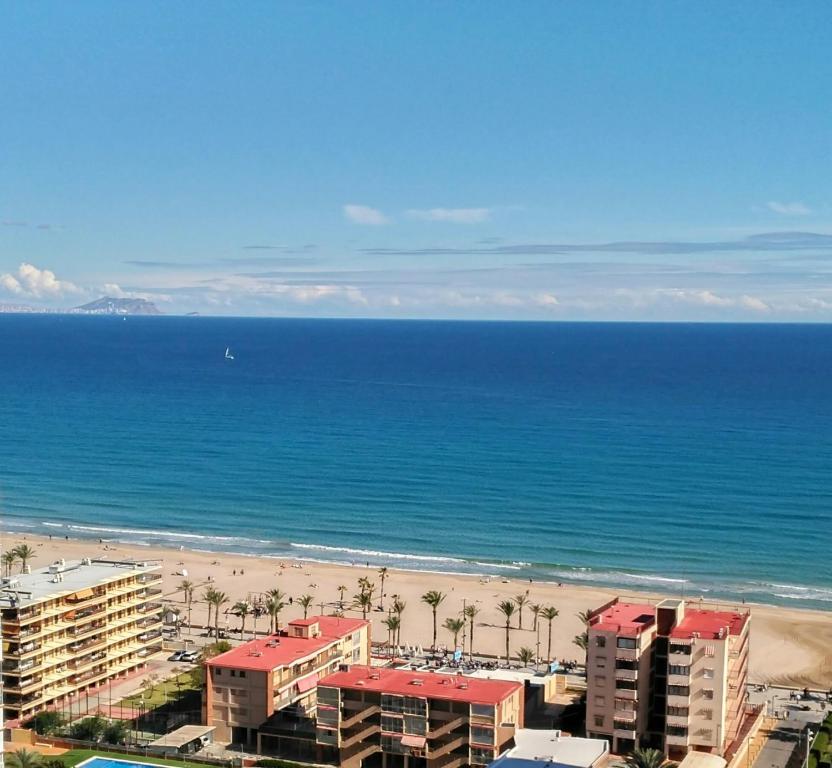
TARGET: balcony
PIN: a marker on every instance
(362, 714)
(625, 715)
(627, 654)
(626, 694)
(676, 700)
(149, 607)
(148, 578)
(678, 720)
(445, 746)
(626, 674)
(348, 738)
(676, 740)
(87, 629)
(443, 728)
(624, 731)
(678, 680)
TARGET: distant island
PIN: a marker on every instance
(110, 306)
(106, 305)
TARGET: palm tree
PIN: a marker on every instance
(208, 597)
(274, 605)
(549, 613)
(470, 612)
(521, 600)
(526, 655)
(187, 589)
(219, 599)
(9, 559)
(582, 641)
(434, 599)
(647, 758)
(535, 608)
(383, 573)
(393, 624)
(243, 609)
(24, 758)
(304, 601)
(364, 601)
(507, 607)
(24, 553)
(454, 626)
(341, 590)
(398, 608)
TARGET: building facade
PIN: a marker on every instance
(68, 628)
(263, 693)
(668, 675)
(394, 718)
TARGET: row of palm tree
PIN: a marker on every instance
(22, 553)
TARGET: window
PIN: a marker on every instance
(600, 701)
(678, 690)
(678, 711)
(233, 673)
(708, 694)
(626, 685)
(708, 673)
(482, 735)
(392, 724)
(678, 669)
(600, 680)
(677, 730)
(217, 672)
(600, 641)
(242, 673)
(599, 721)
(415, 725)
(601, 662)
(626, 642)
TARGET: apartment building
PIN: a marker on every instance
(71, 626)
(263, 693)
(395, 718)
(668, 675)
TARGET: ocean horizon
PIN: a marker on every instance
(681, 458)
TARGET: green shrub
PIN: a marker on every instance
(46, 723)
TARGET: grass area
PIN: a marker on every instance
(821, 753)
(164, 690)
(75, 756)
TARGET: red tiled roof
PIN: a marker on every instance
(258, 655)
(624, 618)
(303, 622)
(431, 685)
(708, 623)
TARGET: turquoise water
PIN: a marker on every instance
(690, 458)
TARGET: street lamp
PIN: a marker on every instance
(809, 735)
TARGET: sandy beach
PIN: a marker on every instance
(788, 646)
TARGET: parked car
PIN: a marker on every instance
(189, 656)
(176, 656)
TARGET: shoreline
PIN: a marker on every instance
(789, 645)
(775, 593)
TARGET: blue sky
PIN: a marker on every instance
(535, 160)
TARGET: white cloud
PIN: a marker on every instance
(546, 300)
(754, 303)
(32, 282)
(363, 214)
(789, 209)
(453, 215)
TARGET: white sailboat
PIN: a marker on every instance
(228, 355)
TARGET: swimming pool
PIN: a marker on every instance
(111, 762)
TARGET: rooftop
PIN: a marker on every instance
(552, 749)
(182, 736)
(280, 650)
(426, 685)
(24, 589)
(709, 624)
(624, 618)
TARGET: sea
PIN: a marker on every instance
(688, 459)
